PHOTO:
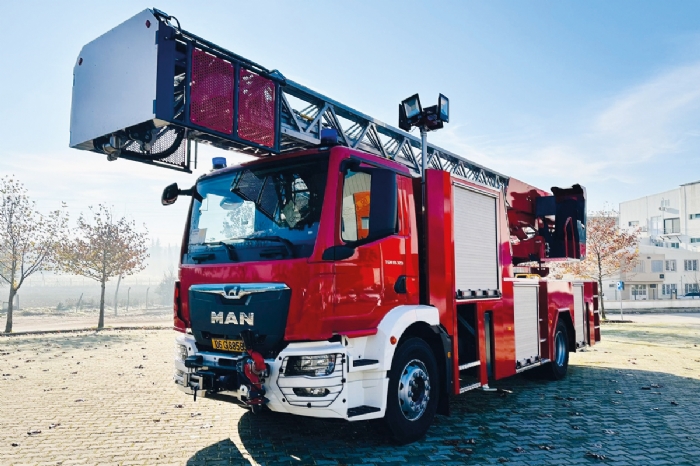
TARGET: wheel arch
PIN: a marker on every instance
(419, 321)
(564, 315)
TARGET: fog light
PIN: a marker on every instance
(313, 392)
(314, 366)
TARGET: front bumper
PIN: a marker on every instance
(348, 392)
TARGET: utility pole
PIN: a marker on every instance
(621, 287)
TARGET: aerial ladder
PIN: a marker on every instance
(166, 90)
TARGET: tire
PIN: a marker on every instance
(411, 408)
(560, 359)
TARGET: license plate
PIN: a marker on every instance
(228, 345)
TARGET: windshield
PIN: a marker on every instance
(258, 213)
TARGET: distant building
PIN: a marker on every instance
(669, 251)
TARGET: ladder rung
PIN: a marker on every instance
(469, 365)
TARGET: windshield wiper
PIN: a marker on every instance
(288, 245)
(230, 249)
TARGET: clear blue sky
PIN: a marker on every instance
(602, 93)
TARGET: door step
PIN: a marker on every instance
(469, 365)
(469, 387)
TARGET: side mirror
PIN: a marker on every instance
(170, 194)
(384, 207)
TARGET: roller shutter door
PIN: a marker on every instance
(527, 341)
(579, 315)
(476, 246)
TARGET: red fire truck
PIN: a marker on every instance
(352, 270)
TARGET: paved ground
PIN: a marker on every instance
(106, 398)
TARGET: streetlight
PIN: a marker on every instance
(128, 291)
(411, 114)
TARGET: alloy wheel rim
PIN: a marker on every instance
(414, 390)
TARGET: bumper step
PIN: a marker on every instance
(360, 410)
(364, 362)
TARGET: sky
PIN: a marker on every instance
(605, 94)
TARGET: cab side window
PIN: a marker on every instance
(369, 210)
(356, 206)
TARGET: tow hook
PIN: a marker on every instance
(253, 370)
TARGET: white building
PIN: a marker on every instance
(669, 251)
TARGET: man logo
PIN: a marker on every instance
(233, 292)
(243, 318)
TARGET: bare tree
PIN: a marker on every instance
(28, 239)
(609, 251)
(104, 248)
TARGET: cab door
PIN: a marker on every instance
(371, 281)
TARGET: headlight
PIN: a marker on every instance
(181, 352)
(314, 366)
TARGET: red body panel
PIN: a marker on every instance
(440, 240)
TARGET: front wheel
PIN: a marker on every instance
(414, 388)
(560, 359)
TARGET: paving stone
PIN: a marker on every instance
(131, 418)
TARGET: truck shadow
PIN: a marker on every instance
(594, 411)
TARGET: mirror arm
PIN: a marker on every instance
(191, 192)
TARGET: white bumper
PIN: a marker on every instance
(352, 393)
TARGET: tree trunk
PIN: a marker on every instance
(116, 294)
(101, 321)
(600, 298)
(10, 304)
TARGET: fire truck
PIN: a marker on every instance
(351, 270)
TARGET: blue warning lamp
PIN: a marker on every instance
(218, 162)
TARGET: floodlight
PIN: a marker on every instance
(403, 121)
(443, 109)
(412, 108)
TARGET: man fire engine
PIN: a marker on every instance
(351, 271)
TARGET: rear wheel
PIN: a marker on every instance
(414, 390)
(560, 357)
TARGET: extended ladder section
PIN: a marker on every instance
(147, 89)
